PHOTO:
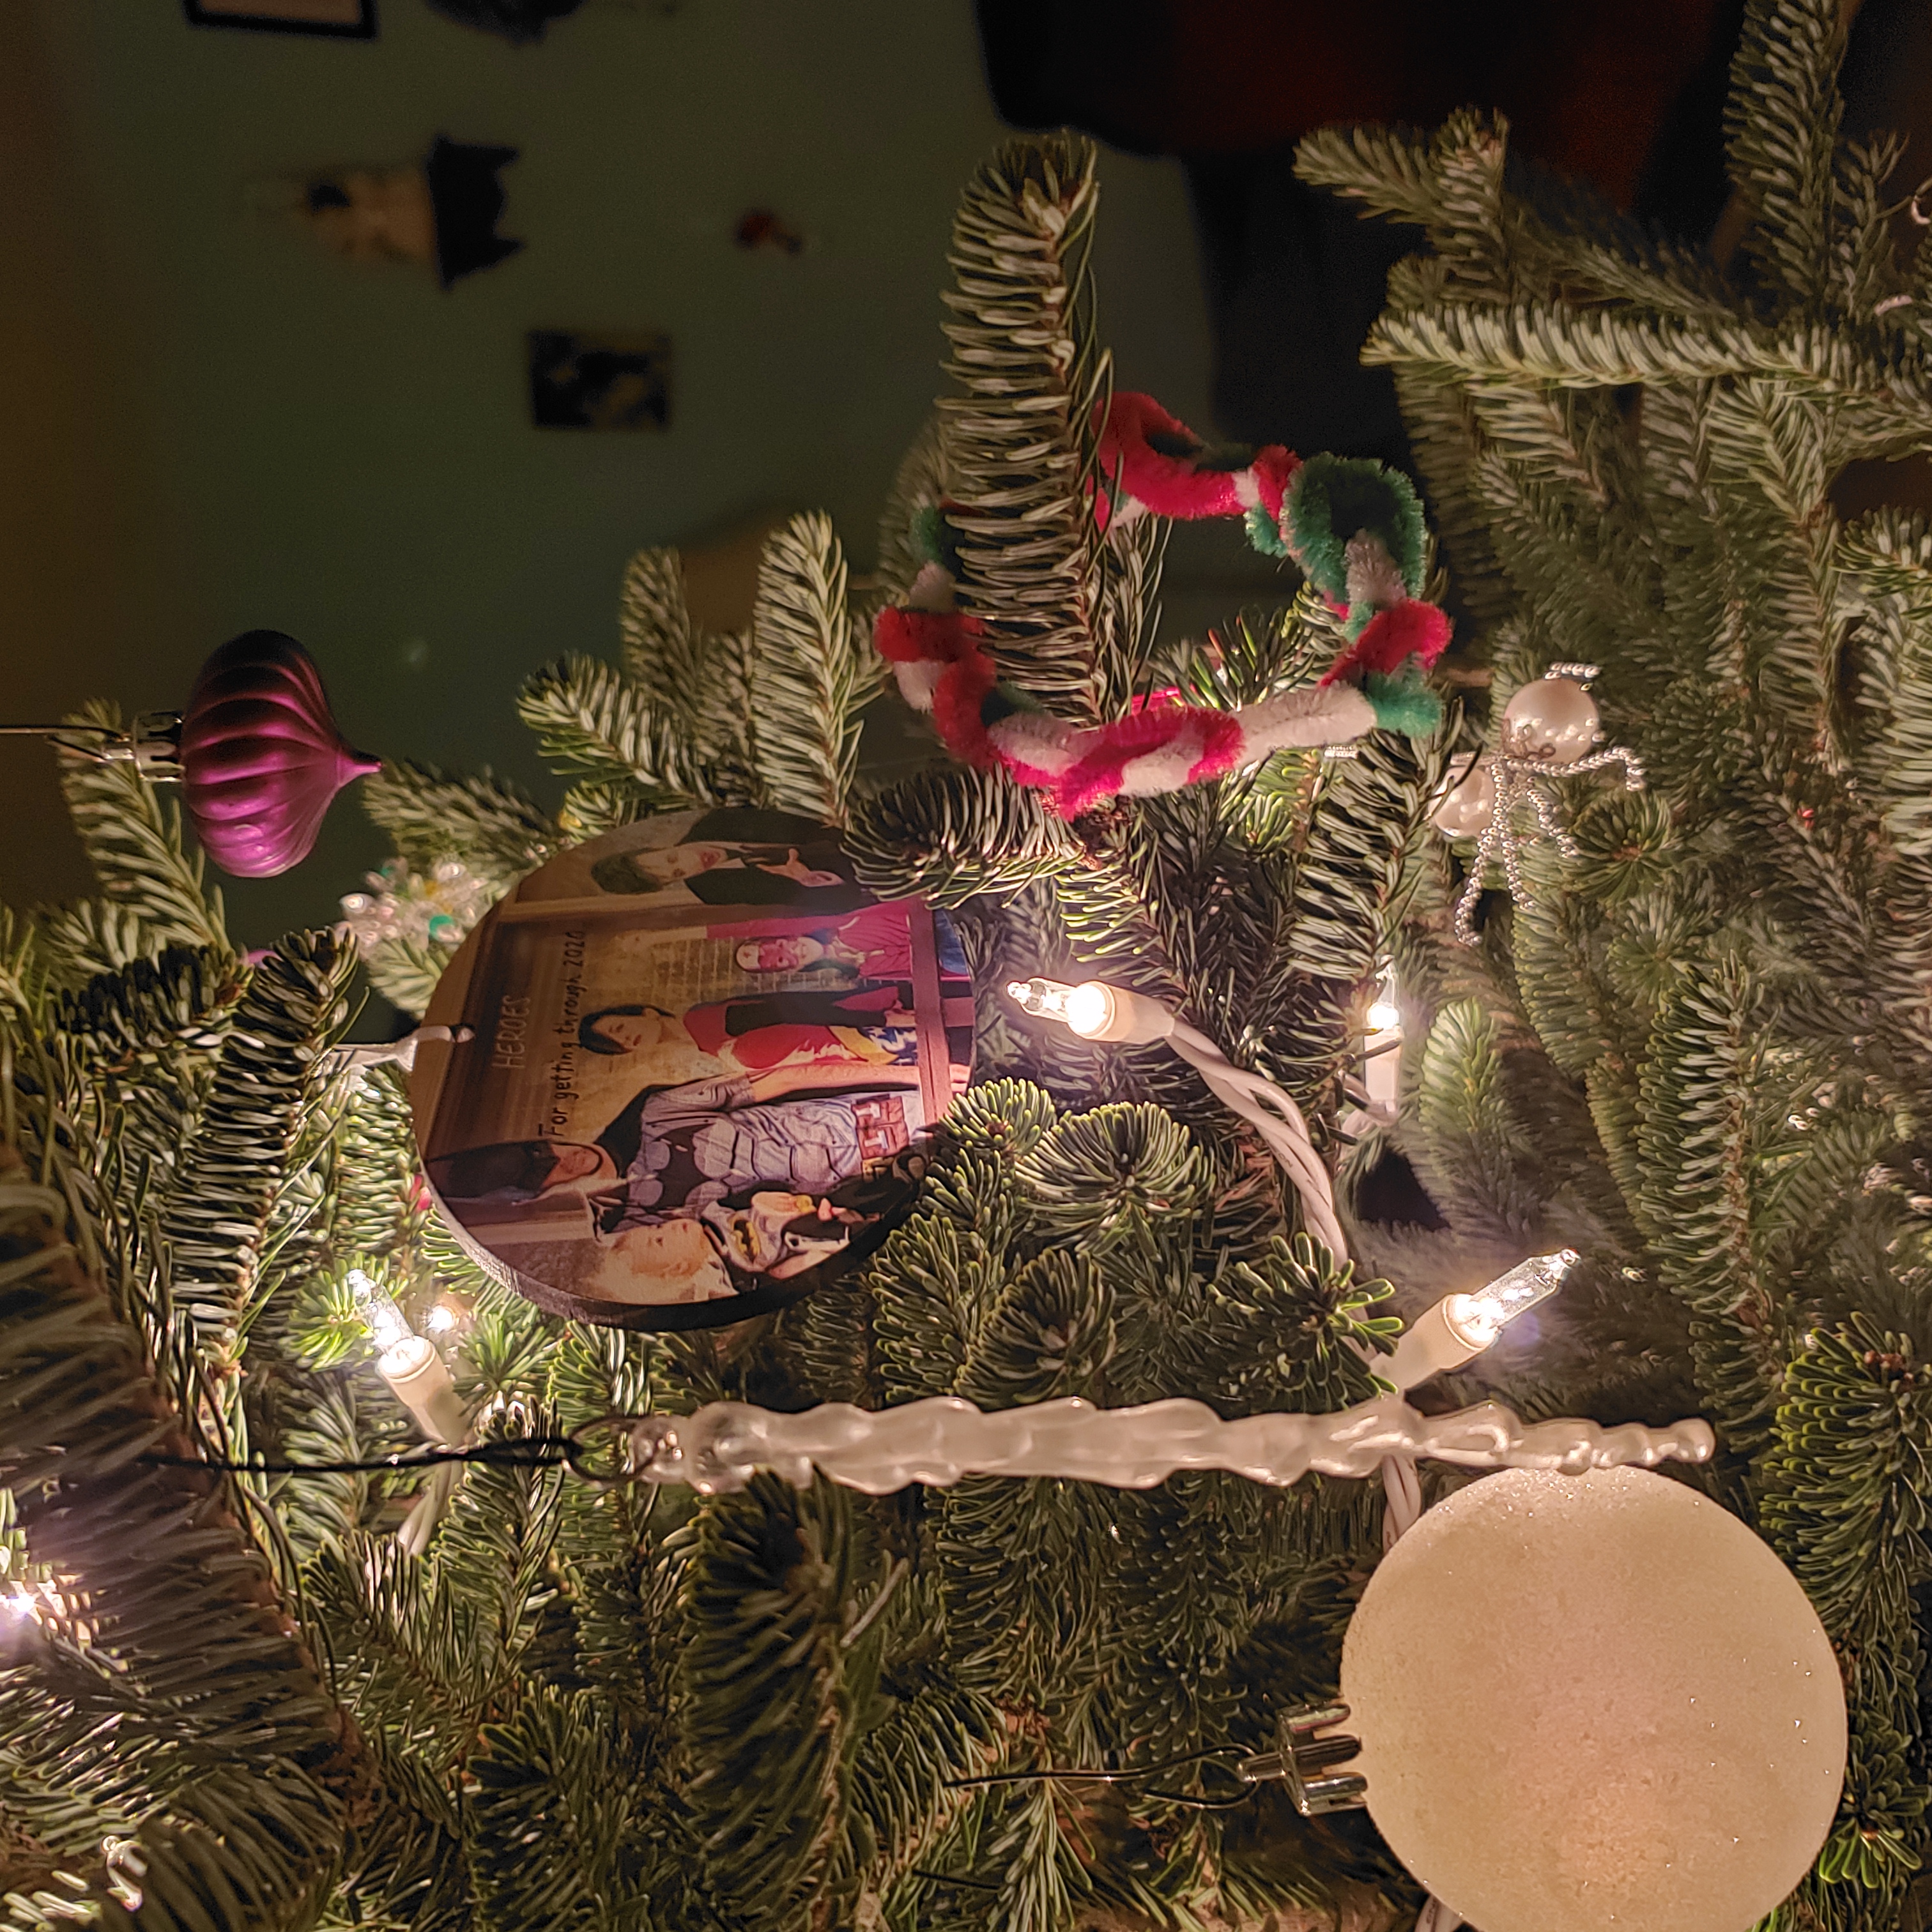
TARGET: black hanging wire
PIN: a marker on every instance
(510, 1452)
(1096, 1775)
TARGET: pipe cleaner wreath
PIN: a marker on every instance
(1355, 527)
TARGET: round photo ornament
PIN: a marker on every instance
(702, 1064)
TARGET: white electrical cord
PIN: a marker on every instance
(1278, 1121)
(1274, 1116)
(1097, 1011)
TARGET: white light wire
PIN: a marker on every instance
(1274, 1116)
(1278, 1121)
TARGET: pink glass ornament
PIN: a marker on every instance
(261, 758)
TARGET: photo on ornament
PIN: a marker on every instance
(704, 1065)
(599, 382)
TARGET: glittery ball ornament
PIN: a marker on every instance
(1594, 1703)
(261, 759)
(1554, 719)
(1463, 812)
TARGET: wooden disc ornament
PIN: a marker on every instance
(703, 1064)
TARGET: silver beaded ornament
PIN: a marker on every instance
(1549, 730)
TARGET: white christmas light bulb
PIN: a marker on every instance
(1460, 1326)
(1095, 1011)
(417, 1375)
(1480, 1318)
(376, 1308)
(1385, 1016)
(1084, 1009)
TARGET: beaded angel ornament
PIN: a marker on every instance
(1550, 730)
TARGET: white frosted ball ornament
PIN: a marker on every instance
(1554, 720)
(1594, 1703)
(1465, 812)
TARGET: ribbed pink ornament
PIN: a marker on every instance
(261, 758)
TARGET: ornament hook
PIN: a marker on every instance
(1301, 1760)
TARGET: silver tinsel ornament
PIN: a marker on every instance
(1548, 731)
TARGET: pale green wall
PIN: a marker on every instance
(260, 434)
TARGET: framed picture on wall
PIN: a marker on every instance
(581, 380)
(346, 20)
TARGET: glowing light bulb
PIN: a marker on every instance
(1086, 1009)
(441, 1319)
(1479, 1318)
(376, 1308)
(1045, 999)
(1460, 1326)
(1384, 1016)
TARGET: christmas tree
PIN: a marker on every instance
(501, 1695)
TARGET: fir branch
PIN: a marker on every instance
(659, 650)
(1846, 1484)
(1116, 1177)
(136, 1051)
(487, 824)
(933, 1283)
(1781, 126)
(815, 671)
(175, 1619)
(1019, 440)
(1367, 813)
(624, 1580)
(377, 1204)
(218, 1219)
(599, 805)
(1844, 1504)
(1705, 1123)
(23, 978)
(552, 1775)
(705, 682)
(589, 718)
(1476, 1157)
(1044, 1876)
(137, 851)
(953, 834)
(1021, 1563)
(934, 1731)
(769, 1698)
(1594, 349)
(1865, 261)
(405, 972)
(1447, 183)
(349, 1418)
(492, 1550)
(1290, 1332)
